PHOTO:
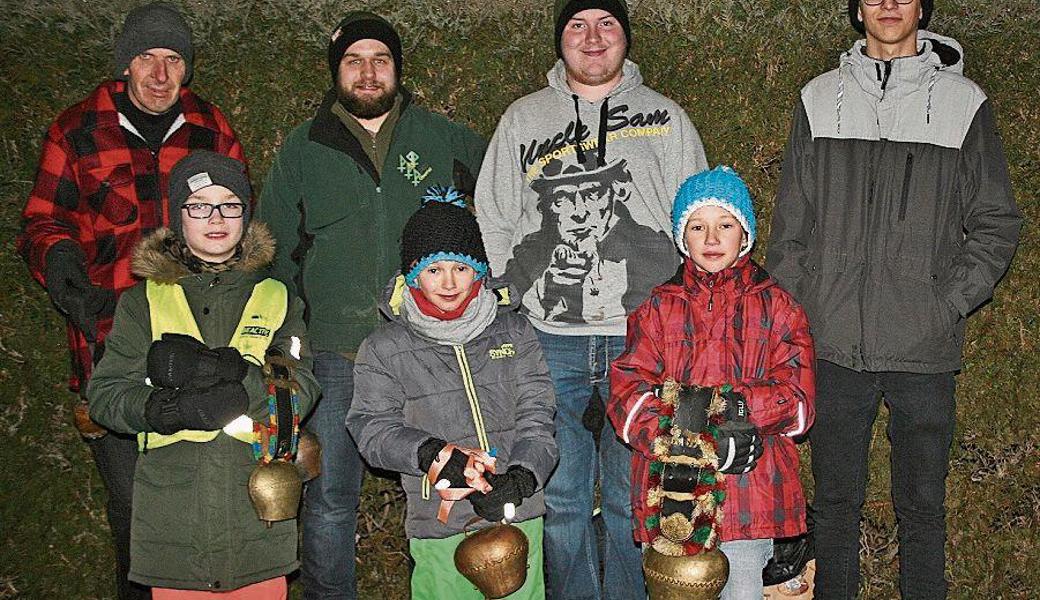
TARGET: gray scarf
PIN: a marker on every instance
(473, 321)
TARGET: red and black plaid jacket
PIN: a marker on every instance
(100, 186)
(739, 327)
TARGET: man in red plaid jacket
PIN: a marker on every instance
(100, 187)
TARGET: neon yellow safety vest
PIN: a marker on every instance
(262, 316)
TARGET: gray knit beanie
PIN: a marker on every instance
(155, 25)
(201, 169)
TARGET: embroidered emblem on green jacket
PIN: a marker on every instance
(503, 351)
(413, 171)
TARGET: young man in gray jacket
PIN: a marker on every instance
(574, 202)
(894, 221)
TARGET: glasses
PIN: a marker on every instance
(227, 210)
(880, 2)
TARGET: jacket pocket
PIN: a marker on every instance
(110, 193)
(905, 194)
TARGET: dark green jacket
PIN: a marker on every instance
(338, 224)
(193, 524)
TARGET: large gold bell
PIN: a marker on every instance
(494, 560)
(698, 577)
(275, 490)
(308, 456)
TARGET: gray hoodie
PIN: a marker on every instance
(574, 200)
(411, 385)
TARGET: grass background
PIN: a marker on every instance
(734, 65)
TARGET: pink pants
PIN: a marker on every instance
(272, 589)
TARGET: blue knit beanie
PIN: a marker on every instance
(720, 187)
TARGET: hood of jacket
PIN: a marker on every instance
(879, 77)
(152, 261)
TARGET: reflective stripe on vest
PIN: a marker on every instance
(262, 316)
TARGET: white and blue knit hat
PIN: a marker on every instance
(720, 187)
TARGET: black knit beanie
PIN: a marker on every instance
(565, 9)
(857, 24)
(203, 168)
(155, 25)
(363, 25)
(442, 229)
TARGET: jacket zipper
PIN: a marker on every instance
(711, 294)
(474, 407)
(906, 186)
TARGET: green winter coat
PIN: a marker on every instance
(193, 524)
(322, 185)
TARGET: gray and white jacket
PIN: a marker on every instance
(894, 218)
(574, 200)
(411, 384)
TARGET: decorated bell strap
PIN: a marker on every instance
(685, 490)
(478, 462)
(279, 437)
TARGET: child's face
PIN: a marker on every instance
(213, 239)
(713, 238)
(446, 283)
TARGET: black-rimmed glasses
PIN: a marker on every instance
(228, 210)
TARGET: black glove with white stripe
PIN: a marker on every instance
(740, 444)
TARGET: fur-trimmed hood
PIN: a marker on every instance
(152, 261)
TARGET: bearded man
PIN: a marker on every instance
(338, 195)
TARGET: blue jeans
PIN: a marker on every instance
(746, 558)
(578, 364)
(920, 430)
(330, 501)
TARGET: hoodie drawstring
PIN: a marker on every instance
(841, 96)
(601, 140)
(577, 131)
(931, 86)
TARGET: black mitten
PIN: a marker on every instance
(176, 360)
(208, 405)
(510, 487)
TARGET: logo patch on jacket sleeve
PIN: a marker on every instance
(504, 351)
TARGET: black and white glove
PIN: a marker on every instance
(206, 405)
(511, 487)
(177, 360)
(69, 287)
(739, 443)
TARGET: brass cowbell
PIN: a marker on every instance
(696, 577)
(275, 489)
(494, 560)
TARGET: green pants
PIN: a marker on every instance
(435, 576)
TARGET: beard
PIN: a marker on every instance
(368, 108)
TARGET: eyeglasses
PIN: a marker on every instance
(228, 210)
(880, 2)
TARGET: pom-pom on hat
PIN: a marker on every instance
(442, 229)
(720, 187)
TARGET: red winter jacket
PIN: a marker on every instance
(739, 327)
(100, 186)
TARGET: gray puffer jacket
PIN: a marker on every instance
(409, 388)
(894, 218)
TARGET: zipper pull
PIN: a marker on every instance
(711, 294)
